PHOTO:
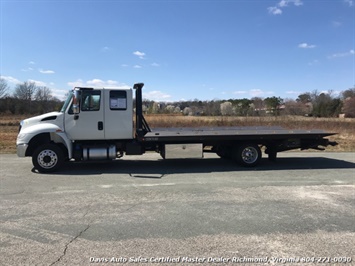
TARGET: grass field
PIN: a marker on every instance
(344, 127)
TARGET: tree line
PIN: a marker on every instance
(28, 98)
(317, 104)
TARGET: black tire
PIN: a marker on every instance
(48, 158)
(248, 155)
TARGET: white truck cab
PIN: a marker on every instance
(88, 114)
(102, 114)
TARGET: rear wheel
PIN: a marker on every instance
(248, 154)
(48, 158)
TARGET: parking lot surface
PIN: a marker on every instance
(143, 210)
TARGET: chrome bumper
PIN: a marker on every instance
(21, 150)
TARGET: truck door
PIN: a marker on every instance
(90, 121)
(118, 114)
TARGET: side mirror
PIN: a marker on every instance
(76, 106)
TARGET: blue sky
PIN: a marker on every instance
(181, 49)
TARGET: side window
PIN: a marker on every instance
(118, 100)
(70, 111)
(90, 100)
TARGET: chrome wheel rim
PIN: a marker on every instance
(47, 159)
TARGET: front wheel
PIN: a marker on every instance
(48, 158)
(248, 154)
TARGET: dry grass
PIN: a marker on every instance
(290, 122)
(9, 125)
(344, 127)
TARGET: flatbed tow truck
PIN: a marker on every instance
(97, 124)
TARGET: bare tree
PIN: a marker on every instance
(350, 93)
(187, 111)
(170, 109)
(212, 107)
(258, 105)
(3, 88)
(349, 107)
(226, 108)
(297, 107)
(25, 91)
(43, 94)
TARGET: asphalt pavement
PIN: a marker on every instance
(142, 210)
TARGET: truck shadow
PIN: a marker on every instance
(159, 168)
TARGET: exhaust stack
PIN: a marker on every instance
(142, 126)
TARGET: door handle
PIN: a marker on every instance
(100, 125)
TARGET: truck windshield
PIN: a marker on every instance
(67, 102)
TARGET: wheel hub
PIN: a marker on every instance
(249, 155)
(47, 159)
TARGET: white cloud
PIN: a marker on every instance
(46, 71)
(349, 2)
(297, 2)
(336, 24)
(38, 83)
(260, 93)
(239, 92)
(59, 93)
(306, 45)
(137, 66)
(27, 69)
(256, 92)
(314, 62)
(101, 83)
(156, 96)
(139, 54)
(338, 55)
(274, 10)
(10, 79)
(155, 65)
(277, 9)
(105, 49)
(283, 3)
(77, 83)
(97, 83)
(293, 92)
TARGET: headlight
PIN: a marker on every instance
(20, 136)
